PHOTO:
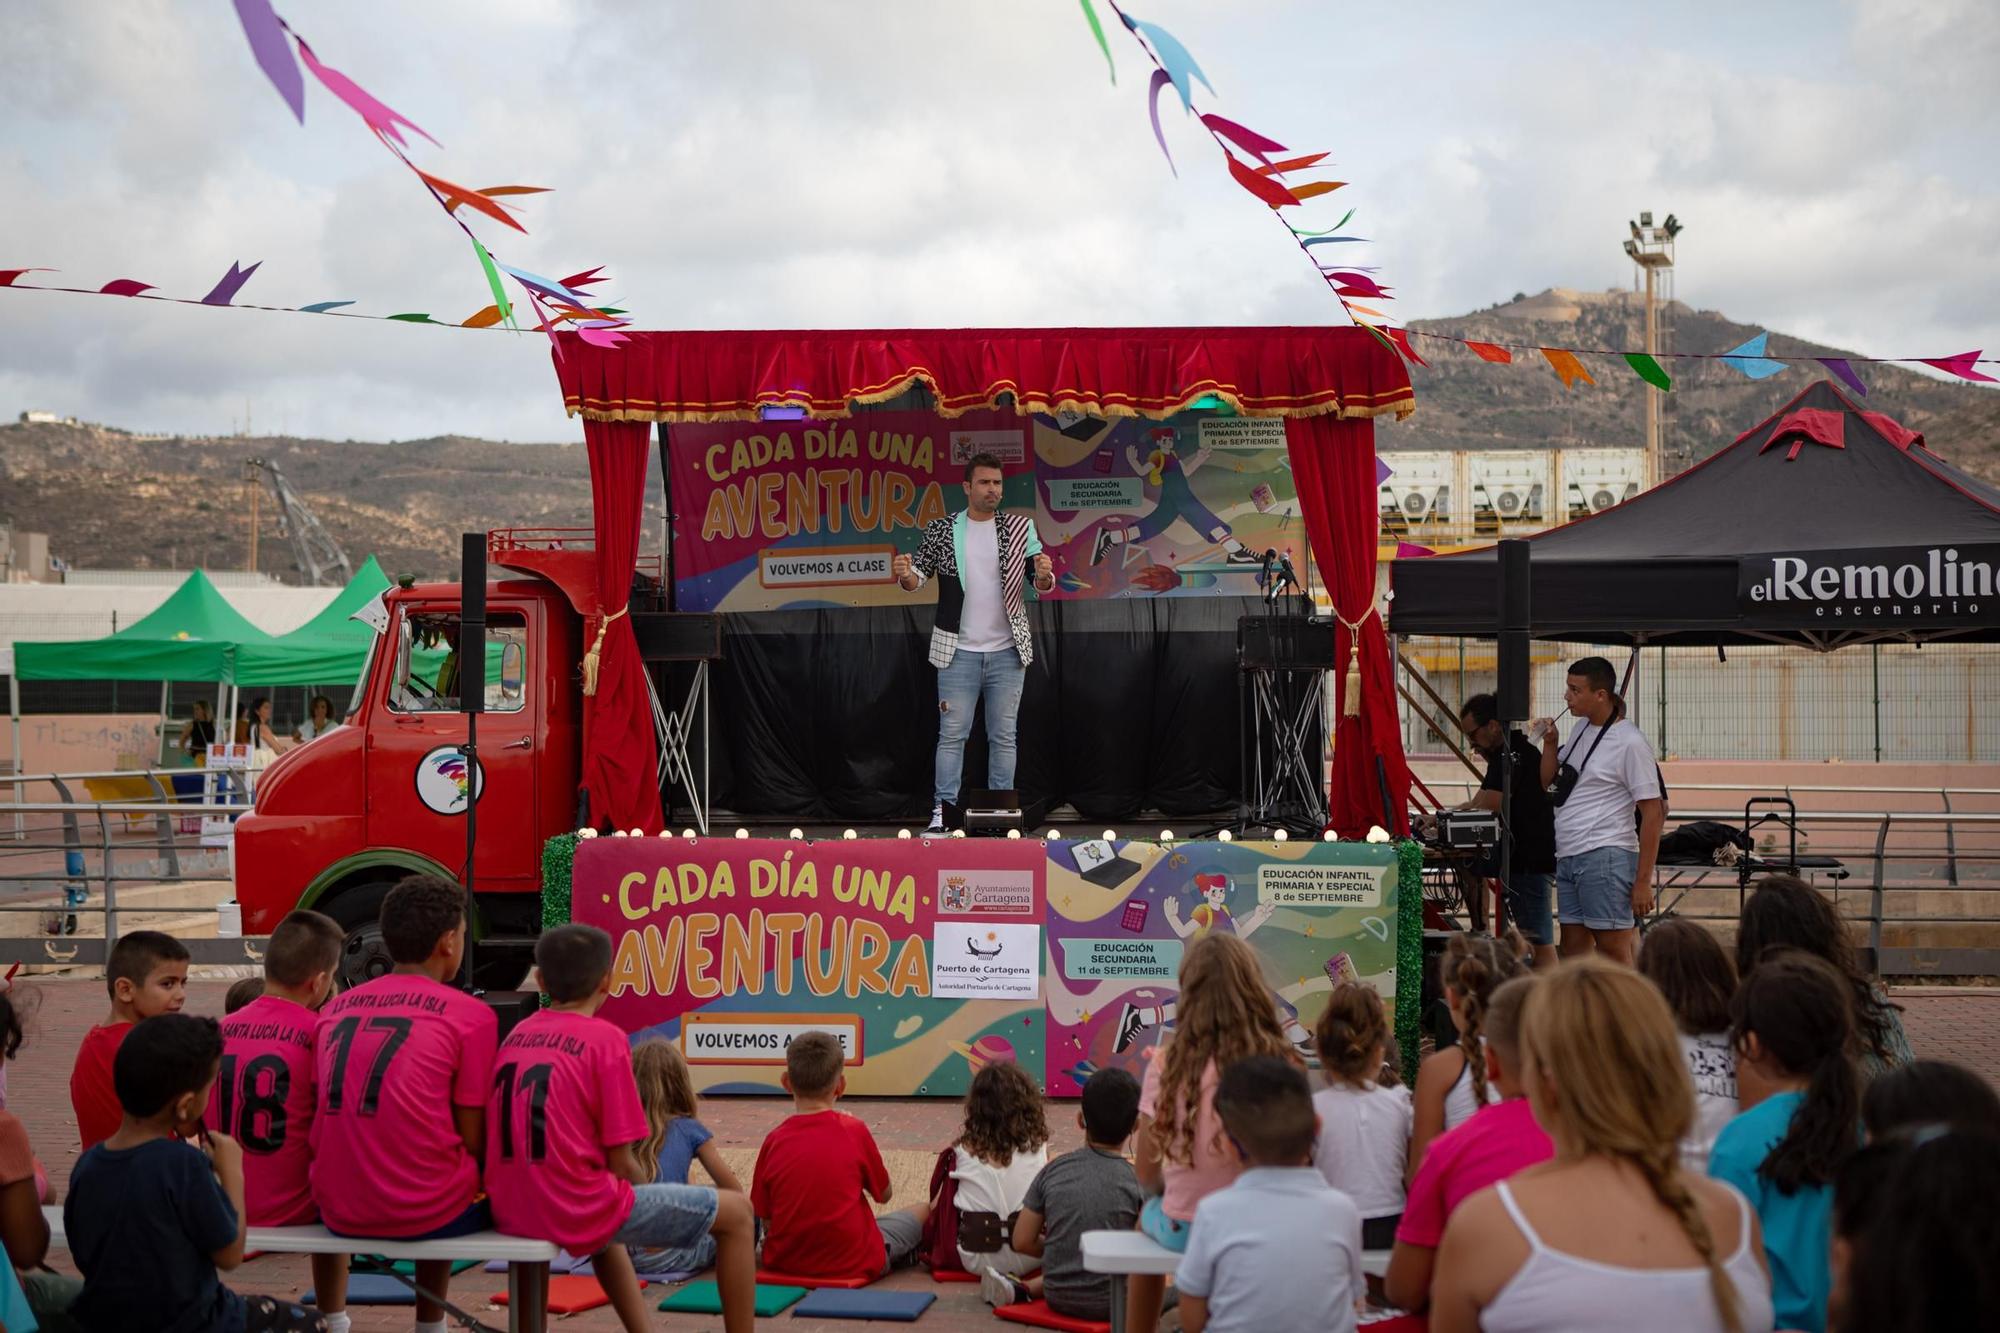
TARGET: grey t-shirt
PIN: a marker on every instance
(1085, 1190)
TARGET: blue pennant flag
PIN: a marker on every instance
(1750, 359)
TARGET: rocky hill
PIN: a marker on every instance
(1466, 403)
(110, 499)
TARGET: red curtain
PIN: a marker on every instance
(620, 752)
(656, 376)
(1333, 463)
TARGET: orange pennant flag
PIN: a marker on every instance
(484, 319)
(1290, 164)
(454, 195)
(1312, 189)
(1364, 310)
(1566, 366)
(1490, 352)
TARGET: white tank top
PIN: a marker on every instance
(1554, 1292)
(1459, 1103)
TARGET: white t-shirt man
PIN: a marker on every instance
(1614, 775)
(982, 625)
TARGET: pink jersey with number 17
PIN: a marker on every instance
(264, 1097)
(392, 1057)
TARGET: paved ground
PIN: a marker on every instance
(1947, 1023)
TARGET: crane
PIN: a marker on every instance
(315, 554)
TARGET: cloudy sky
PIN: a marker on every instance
(764, 164)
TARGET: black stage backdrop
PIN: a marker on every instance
(1130, 706)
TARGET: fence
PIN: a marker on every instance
(1887, 703)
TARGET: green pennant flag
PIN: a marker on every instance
(1097, 31)
(1649, 370)
(493, 283)
(413, 317)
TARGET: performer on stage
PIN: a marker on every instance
(980, 642)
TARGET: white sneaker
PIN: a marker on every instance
(937, 820)
(997, 1289)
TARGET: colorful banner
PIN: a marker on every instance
(932, 957)
(804, 514)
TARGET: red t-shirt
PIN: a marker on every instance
(391, 1058)
(809, 1187)
(264, 1096)
(563, 1096)
(91, 1092)
(1498, 1141)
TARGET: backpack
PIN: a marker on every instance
(938, 1247)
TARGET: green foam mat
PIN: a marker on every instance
(706, 1298)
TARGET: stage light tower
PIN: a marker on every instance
(1652, 249)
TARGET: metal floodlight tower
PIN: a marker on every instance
(1652, 249)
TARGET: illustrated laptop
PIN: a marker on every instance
(1098, 861)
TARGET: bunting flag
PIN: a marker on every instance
(1649, 370)
(1748, 357)
(1402, 341)
(232, 282)
(1960, 365)
(1566, 366)
(1097, 31)
(1838, 365)
(1490, 352)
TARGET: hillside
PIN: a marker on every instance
(114, 500)
(1465, 403)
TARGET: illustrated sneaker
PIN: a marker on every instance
(1129, 1028)
(937, 820)
(1243, 555)
(1100, 546)
(998, 1289)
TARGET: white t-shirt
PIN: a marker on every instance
(986, 1188)
(1612, 780)
(1711, 1059)
(982, 624)
(1364, 1140)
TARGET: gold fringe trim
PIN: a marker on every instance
(591, 658)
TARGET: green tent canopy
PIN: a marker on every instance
(192, 636)
(330, 649)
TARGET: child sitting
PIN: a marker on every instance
(24, 1188)
(265, 1096)
(1224, 1014)
(815, 1174)
(401, 1069)
(1002, 1147)
(1692, 969)
(1801, 1120)
(1364, 1122)
(1502, 1139)
(674, 1141)
(1091, 1189)
(1279, 1248)
(563, 1117)
(1451, 1082)
(151, 1217)
(146, 975)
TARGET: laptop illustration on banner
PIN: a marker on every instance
(1098, 861)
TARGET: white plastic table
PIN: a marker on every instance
(1122, 1253)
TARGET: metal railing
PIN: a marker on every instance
(1947, 850)
(67, 859)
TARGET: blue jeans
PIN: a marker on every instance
(996, 677)
(1594, 888)
(1528, 905)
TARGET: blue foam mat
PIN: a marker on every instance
(864, 1303)
(371, 1289)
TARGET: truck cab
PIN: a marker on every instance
(385, 795)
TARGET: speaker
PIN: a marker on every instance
(1512, 692)
(472, 623)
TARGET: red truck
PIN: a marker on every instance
(341, 820)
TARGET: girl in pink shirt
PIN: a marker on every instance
(1225, 1013)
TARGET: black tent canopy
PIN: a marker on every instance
(1824, 525)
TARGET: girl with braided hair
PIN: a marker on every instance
(1451, 1083)
(1613, 1232)
(1801, 1119)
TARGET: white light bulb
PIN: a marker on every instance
(1279, 835)
(618, 833)
(743, 833)
(1226, 836)
(798, 833)
(903, 833)
(849, 834)
(1111, 835)
(1166, 835)
(638, 833)
(1329, 836)
(1013, 833)
(958, 833)
(586, 833)
(688, 833)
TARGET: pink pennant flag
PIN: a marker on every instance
(232, 282)
(1963, 365)
(7, 275)
(125, 287)
(598, 336)
(1243, 137)
(381, 118)
(1412, 551)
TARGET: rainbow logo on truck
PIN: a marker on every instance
(445, 781)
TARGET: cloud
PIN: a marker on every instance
(797, 165)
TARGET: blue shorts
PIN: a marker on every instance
(668, 1217)
(1167, 1231)
(1527, 894)
(1594, 888)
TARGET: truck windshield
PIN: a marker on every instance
(427, 675)
(361, 681)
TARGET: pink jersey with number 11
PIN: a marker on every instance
(264, 1097)
(392, 1057)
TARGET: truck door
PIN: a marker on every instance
(419, 786)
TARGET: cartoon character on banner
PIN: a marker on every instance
(1211, 913)
(1164, 471)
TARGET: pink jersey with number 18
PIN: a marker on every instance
(264, 1097)
(391, 1058)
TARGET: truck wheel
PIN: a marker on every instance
(359, 912)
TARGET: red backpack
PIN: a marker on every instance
(938, 1250)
